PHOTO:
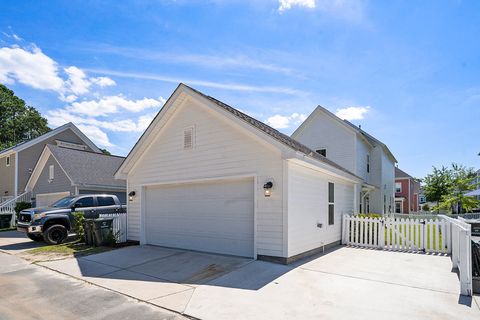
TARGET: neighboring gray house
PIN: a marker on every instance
(61, 171)
(17, 162)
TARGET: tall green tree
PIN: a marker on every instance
(437, 185)
(461, 183)
(18, 122)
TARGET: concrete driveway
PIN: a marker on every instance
(346, 283)
(15, 242)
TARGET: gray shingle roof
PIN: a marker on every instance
(401, 174)
(88, 168)
(277, 135)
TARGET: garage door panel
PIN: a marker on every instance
(47, 199)
(213, 216)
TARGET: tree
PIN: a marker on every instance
(461, 182)
(105, 151)
(437, 185)
(18, 122)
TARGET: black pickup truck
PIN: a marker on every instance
(52, 224)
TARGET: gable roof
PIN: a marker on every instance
(83, 168)
(348, 125)
(401, 174)
(258, 125)
(26, 144)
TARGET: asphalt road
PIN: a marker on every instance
(31, 292)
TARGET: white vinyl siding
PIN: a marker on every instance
(308, 207)
(221, 149)
(325, 133)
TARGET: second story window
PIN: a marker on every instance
(7, 161)
(398, 187)
(323, 152)
(368, 163)
(51, 173)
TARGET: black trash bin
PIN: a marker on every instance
(102, 229)
(5, 221)
(88, 227)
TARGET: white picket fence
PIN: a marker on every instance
(443, 235)
(462, 252)
(119, 225)
(397, 234)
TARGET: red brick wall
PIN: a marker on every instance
(404, 193)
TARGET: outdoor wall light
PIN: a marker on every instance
(267, 187)
(131, 195)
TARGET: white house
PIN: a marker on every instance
(205, 176)
(357, 151)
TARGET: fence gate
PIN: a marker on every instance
(397, 234)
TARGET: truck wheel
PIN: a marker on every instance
(35, 237)
(55, 234)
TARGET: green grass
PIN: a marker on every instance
(430, 233)
(72, 248)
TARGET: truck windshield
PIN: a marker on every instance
(64, 202)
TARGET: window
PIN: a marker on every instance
(188, 138)
(105, 201)
(7, 161)
(51, 172)
(323, 152)
(84, 202)
(331, 206)
(398, 207)
(368, 163)
(398, 187)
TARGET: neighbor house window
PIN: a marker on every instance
(331, 206)
(398, 187)
(188, 138)
(51, 172)
(368, 163)
(323, 152)
(7, 161)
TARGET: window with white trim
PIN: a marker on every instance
(398, 187)
(188, 138)
(331, 205)
(368, 163)
(51, 172)
(7, 161)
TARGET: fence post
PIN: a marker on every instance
(381, 233)
(344, 229)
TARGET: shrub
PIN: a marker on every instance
(79, 225)
(19, 206)
(369, 215)
(425, 207)
(112, 238)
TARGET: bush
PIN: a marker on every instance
(426, 208)
(112, 238)
(79, 225)
(369, 215)
(22, 206)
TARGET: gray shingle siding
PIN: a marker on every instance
(28, 157)
(60, 183)
(7, 177)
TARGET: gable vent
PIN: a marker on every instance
(188, 138)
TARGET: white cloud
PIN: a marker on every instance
(31, 67)
(97, 135)
(352, 113)
(113, 104)
(103, 81)
(288, 4)
(281, 122)
(203, 83)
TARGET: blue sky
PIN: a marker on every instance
(407, 71)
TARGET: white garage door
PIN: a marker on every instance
(210, 216)
(46, 199)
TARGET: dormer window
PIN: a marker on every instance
(188, 138)
(7, 161)
(323, 152)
